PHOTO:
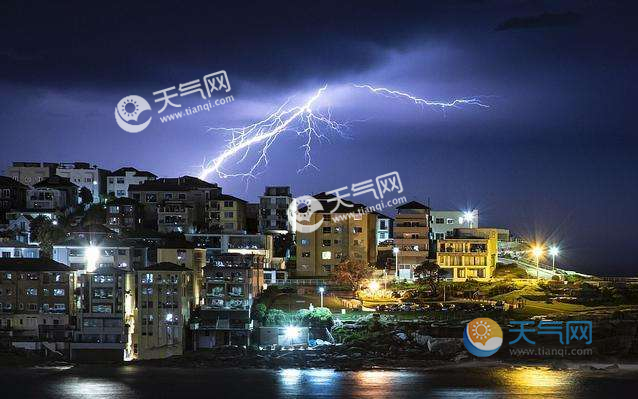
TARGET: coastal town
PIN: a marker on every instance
(118, 266)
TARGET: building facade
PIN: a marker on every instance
(123, 214)
(227, 214)
(469, 253)
(85, 175)
(443, 223)
(118, 182)
(13, 195)
(54, 192)
(411, 238)
(30, 173)
(273, 208)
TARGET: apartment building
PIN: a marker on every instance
(188, 255)
(13, 195)
(123, 214)
(35, 297)
(244, 244)
(384, 228)
(85, 175)
(231, 282)
(54, 192)
(106, 315)
(469, 253)
(345, 233)
(189, 190)
(273, 208)
(29, 173)
(10, 248)
(411, 238)
(443, 223)
(85, 255)
(227, 214)
(164, 302)
(175, 216)
(118, 182)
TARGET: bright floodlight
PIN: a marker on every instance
(374, 285)
(554, 251)
(291, 332)
(469, 215)
(92, 256)
(321, 290)
(537, 251)
(395, 250)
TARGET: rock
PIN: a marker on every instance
(400, 337)
(461, 357)
(421, 339)
(445, 346)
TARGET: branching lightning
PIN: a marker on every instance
(302, 120)
(421, 101)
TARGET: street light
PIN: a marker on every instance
(321, 291)
(554, 251)
(537, 251)
(469, 216)
(92, 256)
(395, 251)
(373, 286)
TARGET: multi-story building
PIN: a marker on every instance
(118, 182)
(19, 221)
(13, 195)
(175, 216)
(29, 173)
(106, 315)
(252, 218)
(411, 238)
(443, 223)
(273, 216)
(54, 192)
(164, 302)
(16, 249)
(227, 213)
(384, 228)
(190, 190)
(346, 233)
(231, 282)
(123, 214)
(469, 253)
(85, 175)
(35, 296)
(185, 253)
(85, 255)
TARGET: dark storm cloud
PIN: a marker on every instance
(545, 20)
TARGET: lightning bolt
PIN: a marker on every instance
(421, 101)
(303, 121)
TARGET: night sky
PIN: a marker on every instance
(554, 156)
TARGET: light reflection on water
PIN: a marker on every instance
(100, 382)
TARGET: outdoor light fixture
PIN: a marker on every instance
(321, 291)
(554, 251)
(373, 286)
(395, 251)
(468, 216)
(92, 254)
(537, 251)
(291, 332)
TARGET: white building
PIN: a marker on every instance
(16, 249)
(87, 256)
(118, 182)
(443, 223)
(85, 175)
(273, 208)
(384, 228)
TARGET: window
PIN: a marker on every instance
(305, 241)
(101, 308)
(383, 225)
(32, 291)
(450, 221)
(229, 214)
(326, 243)
(147, 278)
(356, 230)
(101, 279)
(326, 255)
(327, 217)
(151, 197)
(358, 216)
(168, 196)
(120, 180)
(439, 221)
(8, 276)
(326, 230)
(181, 196)
(305, 254)
(33, 307)
(327, 268)
(121, 252)
(228, 204)
(121, 193)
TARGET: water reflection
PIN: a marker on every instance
(95, 388)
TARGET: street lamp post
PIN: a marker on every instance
(395, 251)
(321, 290)
(554, 252)
(537, 251)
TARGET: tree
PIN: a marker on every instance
(44, 232)
(352, 273)
(96, 214)
(428, 273)
(86, 196)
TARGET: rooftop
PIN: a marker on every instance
(164, 266)
(137, 173)
(9, 182)
(55, 182)
(184, 183)
(413, 205)
(33, 264)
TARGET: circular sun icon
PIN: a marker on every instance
(133, 113)
(481, 330)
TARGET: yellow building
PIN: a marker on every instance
(469, 254)
(185, 253)
(411, 238)
(346, 233)
(227, 213)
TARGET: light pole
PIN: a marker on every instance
(537, 251)
(554, 252)
(321, 290)
(395, 251)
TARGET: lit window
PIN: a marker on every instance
(326, 255)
